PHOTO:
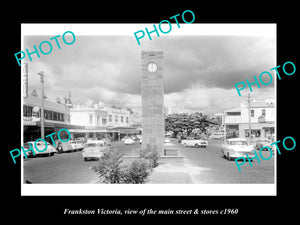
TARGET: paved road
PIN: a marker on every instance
(66, 168)
(203, 166)
(206, 165)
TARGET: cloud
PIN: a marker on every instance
(200, 71)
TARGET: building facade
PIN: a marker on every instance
(54, 117)
(101, 122)
(262, 115)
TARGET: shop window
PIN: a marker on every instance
(27, 111)
(254, 133)
(55, 116)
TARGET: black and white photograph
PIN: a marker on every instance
(151, 112)
(187, 108)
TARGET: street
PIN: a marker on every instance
(66, 168)
(204, 165)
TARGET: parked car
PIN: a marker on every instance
(217, 136)
(128, 141)
(40, 145)
(107, 141)
(134, 137)
(76, 145)
(51, 148)
(258, 144)
(124, 138)
(64, 147)
(191, 142)
(81, 143)
(139, 136)
(166, 140)
(94, 149)
(236, 147)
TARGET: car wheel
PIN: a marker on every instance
(85, 159)
(228, 157)
(196, 145)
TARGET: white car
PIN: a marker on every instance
(76, 145)
(218, 136)
(94, 149)
(194, 143)
(128, 141)
(258, 144)
(237, 147)
(63, 147)
(40, 145)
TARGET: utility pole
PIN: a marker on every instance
(42, 107)
(224, 128)
(249, 111)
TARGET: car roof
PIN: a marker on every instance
(236, 139)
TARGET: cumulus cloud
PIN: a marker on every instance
(199, 70)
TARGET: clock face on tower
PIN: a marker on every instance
(152, 67)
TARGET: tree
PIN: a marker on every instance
(187, 122)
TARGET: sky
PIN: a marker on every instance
(200, 71)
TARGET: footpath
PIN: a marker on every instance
(170, 174)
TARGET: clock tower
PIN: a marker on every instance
(153, 121)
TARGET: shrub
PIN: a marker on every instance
(137, 172)
(110, 168)
(151, 155)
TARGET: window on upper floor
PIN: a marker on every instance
(91, 119)
(252, 112)
(263, 112)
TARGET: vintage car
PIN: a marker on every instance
(192, 142)
(64, 147)
(94, 149)
(41, 146)
(217, 135)
(76, 145)
(107, 141)
(128, 141)
(237, 147)
(258, 144)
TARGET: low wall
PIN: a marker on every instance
(170, 156)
